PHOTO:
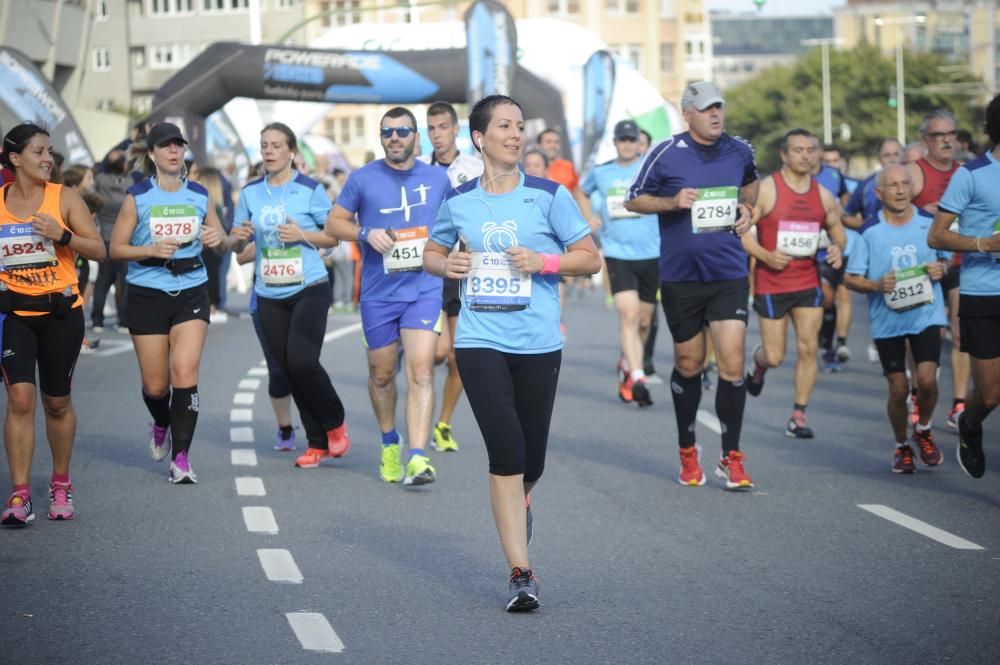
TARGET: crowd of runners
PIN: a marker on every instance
(464, 259)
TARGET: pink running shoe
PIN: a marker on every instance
(159, 441)
(60, 501)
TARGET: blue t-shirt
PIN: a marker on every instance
(624, 235)
(539, 214)
(974, 195)
(833, 180)
(864, 201)
(383, 197)
(885, 248)
(302, 200)
(681, 162)
(177, 214)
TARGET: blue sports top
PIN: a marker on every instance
(864, 201)
(383, 197)
(974, 195)
(301, 200)
(624, 235)
(538, 214)
(680, 162)
(164, 214)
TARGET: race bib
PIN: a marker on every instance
(282, 267)
(495, 285)
(715, 209)
(20, 247)
(615, 199)
(798, 239)
(407, 253)
(179, 223)
(913, 289)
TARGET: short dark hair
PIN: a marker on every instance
(547, 130)
(18, 139)
(482, 114)
(794, 132)
(440, 108)
(535, 151)
(399, 112)
(293, 143)
(649, 137)
(965, 136)
(993, 120)
(830, 147)
(74, 174)
(889, 139)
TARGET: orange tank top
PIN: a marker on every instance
(31, 264)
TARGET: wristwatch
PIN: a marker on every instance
(66, 237)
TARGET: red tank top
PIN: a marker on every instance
(935, 182)
(794, 218)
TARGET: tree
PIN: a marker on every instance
(861, 82)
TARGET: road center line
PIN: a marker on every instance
(260, 519)
(250, 486)
(249, 384)
(279, 566)
(241, 415)
(710, 421)
(243, 457)
(923, 528)
(314, 632)
(245, 399)
(257, 371)
(241, 434)
(341, 332)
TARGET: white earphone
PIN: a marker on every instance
(480, 144)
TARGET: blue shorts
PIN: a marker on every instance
(381, 321)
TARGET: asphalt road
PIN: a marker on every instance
(634, 568)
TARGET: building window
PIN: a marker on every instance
(630, 53)
(103, 10)
(667, 8)
(102, 59)
(667, 59)
(138, 57)
(286, 4)
(170, 7)
(105, 104)
(564, 6)
(170, 56)
(346, 12)
(212, 6)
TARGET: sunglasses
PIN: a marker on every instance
(401, 132)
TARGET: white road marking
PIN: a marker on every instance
(257, 371)
(279, 566)
(243, 457)
(923, 528)
(263, 363)
(244, 398)
(341, 332)
(241, 434)
(250, 486)
(314, 632)
(259, 519)
(710, 421)
(249, 384)
(111, 348)
(241, 415)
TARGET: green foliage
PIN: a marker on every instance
(782, 98)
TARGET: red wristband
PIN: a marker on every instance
(550, 264)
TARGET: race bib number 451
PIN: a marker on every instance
(174, 222)
(407, 253)
(495, 285)
(715, 209)
(913, 289)
(20, 247)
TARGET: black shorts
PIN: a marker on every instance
(689, 306)
(50, 343)
(833, 276)
(979, 325)
(925, 347)
(451, 298)
(642, 276)
(155, 312)
(777, 305)
(951, 280)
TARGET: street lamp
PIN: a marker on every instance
(900, 85)
(825, 43)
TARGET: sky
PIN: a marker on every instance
(778, 7)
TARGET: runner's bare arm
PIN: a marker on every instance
(86, 240)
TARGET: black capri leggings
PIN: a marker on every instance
(293, 330)
(511, 395)
(277, 384)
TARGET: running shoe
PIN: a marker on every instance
(523, 591)
(640, 394)
(843, 353)
(731, 469)
(390, 469)
(310, 459)
(797, 428)
(530, 518)
(872, 354)
(625, 390)
(622, 370)
(283, 444)
(181, 472)
(97, 329)
(60, 501)
(443, 441)
(902, 460)
(755, 379)
(830, 363)
(419, 471)
(953, 415)
(17, 511)
(970, 450)
(159, 441)
(930, 455)
(337, 441)
(691, 473)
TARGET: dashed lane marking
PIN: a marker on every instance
(250, 486)
(710, 421)
(249, 384)
(279, 566)
(260, 519)
(241, 434)
(341, 332)
(244, 399)
(314, 632)
(923, 528)
(241, 415)
(243, 457)
(257, 371)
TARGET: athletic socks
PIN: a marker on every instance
(183, 418)
(687, 396)
(799, 407)
(826, 331)
(286, 432)
(159, 408)
(23, 490)
(730, 399)
(638, 375)
(390, 438)
(416, 451)
(60, 477)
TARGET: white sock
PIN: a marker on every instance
(923, 428)
(637, 375)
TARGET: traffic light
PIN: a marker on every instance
(893, 102)
(759, 3)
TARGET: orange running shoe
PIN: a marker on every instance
(691, 473)
(337, 441)
(731, 469)
(310, 459)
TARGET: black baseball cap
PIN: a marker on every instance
(163, 133)
(626, 129)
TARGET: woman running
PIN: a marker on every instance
(508, 343)
(163, 224)
(42, 228)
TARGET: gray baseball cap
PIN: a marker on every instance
(701, 95)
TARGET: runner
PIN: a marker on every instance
(284, 211)
(42, 228)
(973, 199)
(864, 202)
(396, 200)
(535, 163)
(631, 246)
(442, 127)
(791, 210)
(509, 344)
(901, 274)
(560, 170)
(163, 224)
(703, 184)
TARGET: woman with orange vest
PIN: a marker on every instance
(42, 228)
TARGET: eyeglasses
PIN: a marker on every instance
(937, 136)
(401, 132)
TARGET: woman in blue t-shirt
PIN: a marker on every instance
(516, 234)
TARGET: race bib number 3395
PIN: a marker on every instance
(715, 209)
(495, 285)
